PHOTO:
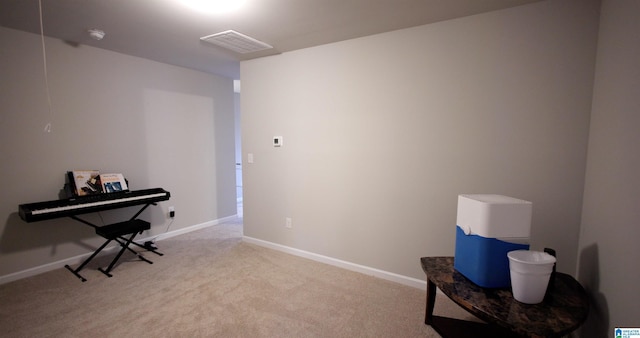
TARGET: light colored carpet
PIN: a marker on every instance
(211, 284)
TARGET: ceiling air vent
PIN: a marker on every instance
(236, 42)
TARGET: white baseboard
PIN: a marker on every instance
(390, 276)
(72, 261)
(188, 229)
(46, 267)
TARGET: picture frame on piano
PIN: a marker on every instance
(113, 183)
(82, 182)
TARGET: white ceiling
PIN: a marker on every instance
(169, 32)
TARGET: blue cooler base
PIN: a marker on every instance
(484, 260)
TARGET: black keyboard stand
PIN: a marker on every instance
(117, 232)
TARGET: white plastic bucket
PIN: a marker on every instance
(530, 271)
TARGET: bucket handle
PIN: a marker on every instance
(466, 229)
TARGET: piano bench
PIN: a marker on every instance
(113, 231)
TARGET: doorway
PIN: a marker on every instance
(238, 146)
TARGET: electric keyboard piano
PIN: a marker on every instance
(40, 211)
(72, 207)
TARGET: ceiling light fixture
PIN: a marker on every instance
(214, 6)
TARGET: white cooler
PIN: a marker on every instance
(488, 227)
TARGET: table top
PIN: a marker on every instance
(563, 311)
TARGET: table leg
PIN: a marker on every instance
(431, 301)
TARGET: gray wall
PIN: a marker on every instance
(382, 133)
(159, 125)
(609, 250)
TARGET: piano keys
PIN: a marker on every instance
(40, 211)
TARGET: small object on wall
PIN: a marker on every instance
(277, 141)
(96, 34)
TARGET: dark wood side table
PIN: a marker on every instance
(564, 309)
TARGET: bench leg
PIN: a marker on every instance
(122, 242)
(77, 270)
(113, 262)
